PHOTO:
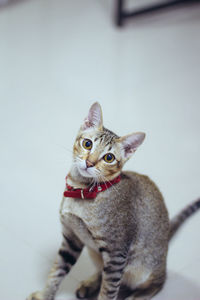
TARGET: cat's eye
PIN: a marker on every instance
(109, 157)
(87, 144)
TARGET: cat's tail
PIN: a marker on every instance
(178, 220)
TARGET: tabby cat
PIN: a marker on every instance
(119, 216)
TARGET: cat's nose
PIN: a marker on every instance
(89, 164)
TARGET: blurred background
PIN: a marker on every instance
(56, 59)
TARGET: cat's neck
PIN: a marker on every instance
(75, 179)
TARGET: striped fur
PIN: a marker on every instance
(67, 256)
(178, 220)
(125, 228)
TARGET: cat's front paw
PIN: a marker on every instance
(82, 292)
(86, 290)
(36, 296)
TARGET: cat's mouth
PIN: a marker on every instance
(85, 172)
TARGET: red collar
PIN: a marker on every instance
(89, 193)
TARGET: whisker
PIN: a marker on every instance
(61, 146)
(93, 183)
(113, 186)
(97, 176)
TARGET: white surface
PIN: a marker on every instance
(56, 58)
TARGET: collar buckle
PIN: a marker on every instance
(82, 195)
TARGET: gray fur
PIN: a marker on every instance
(125, 228)
(178, 220)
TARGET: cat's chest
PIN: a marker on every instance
(79, 215)
(73, 206)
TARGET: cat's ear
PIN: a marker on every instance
(131, 142)
(94, 118)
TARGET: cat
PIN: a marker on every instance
(119, 216)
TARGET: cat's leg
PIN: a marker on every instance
(114, 265)
(147, 290)
(145, 294)
(91, 286)
(68, 254)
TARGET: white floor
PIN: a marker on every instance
(56, 58)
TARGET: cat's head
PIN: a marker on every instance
(99, 153)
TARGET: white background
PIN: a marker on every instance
(56, 59)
